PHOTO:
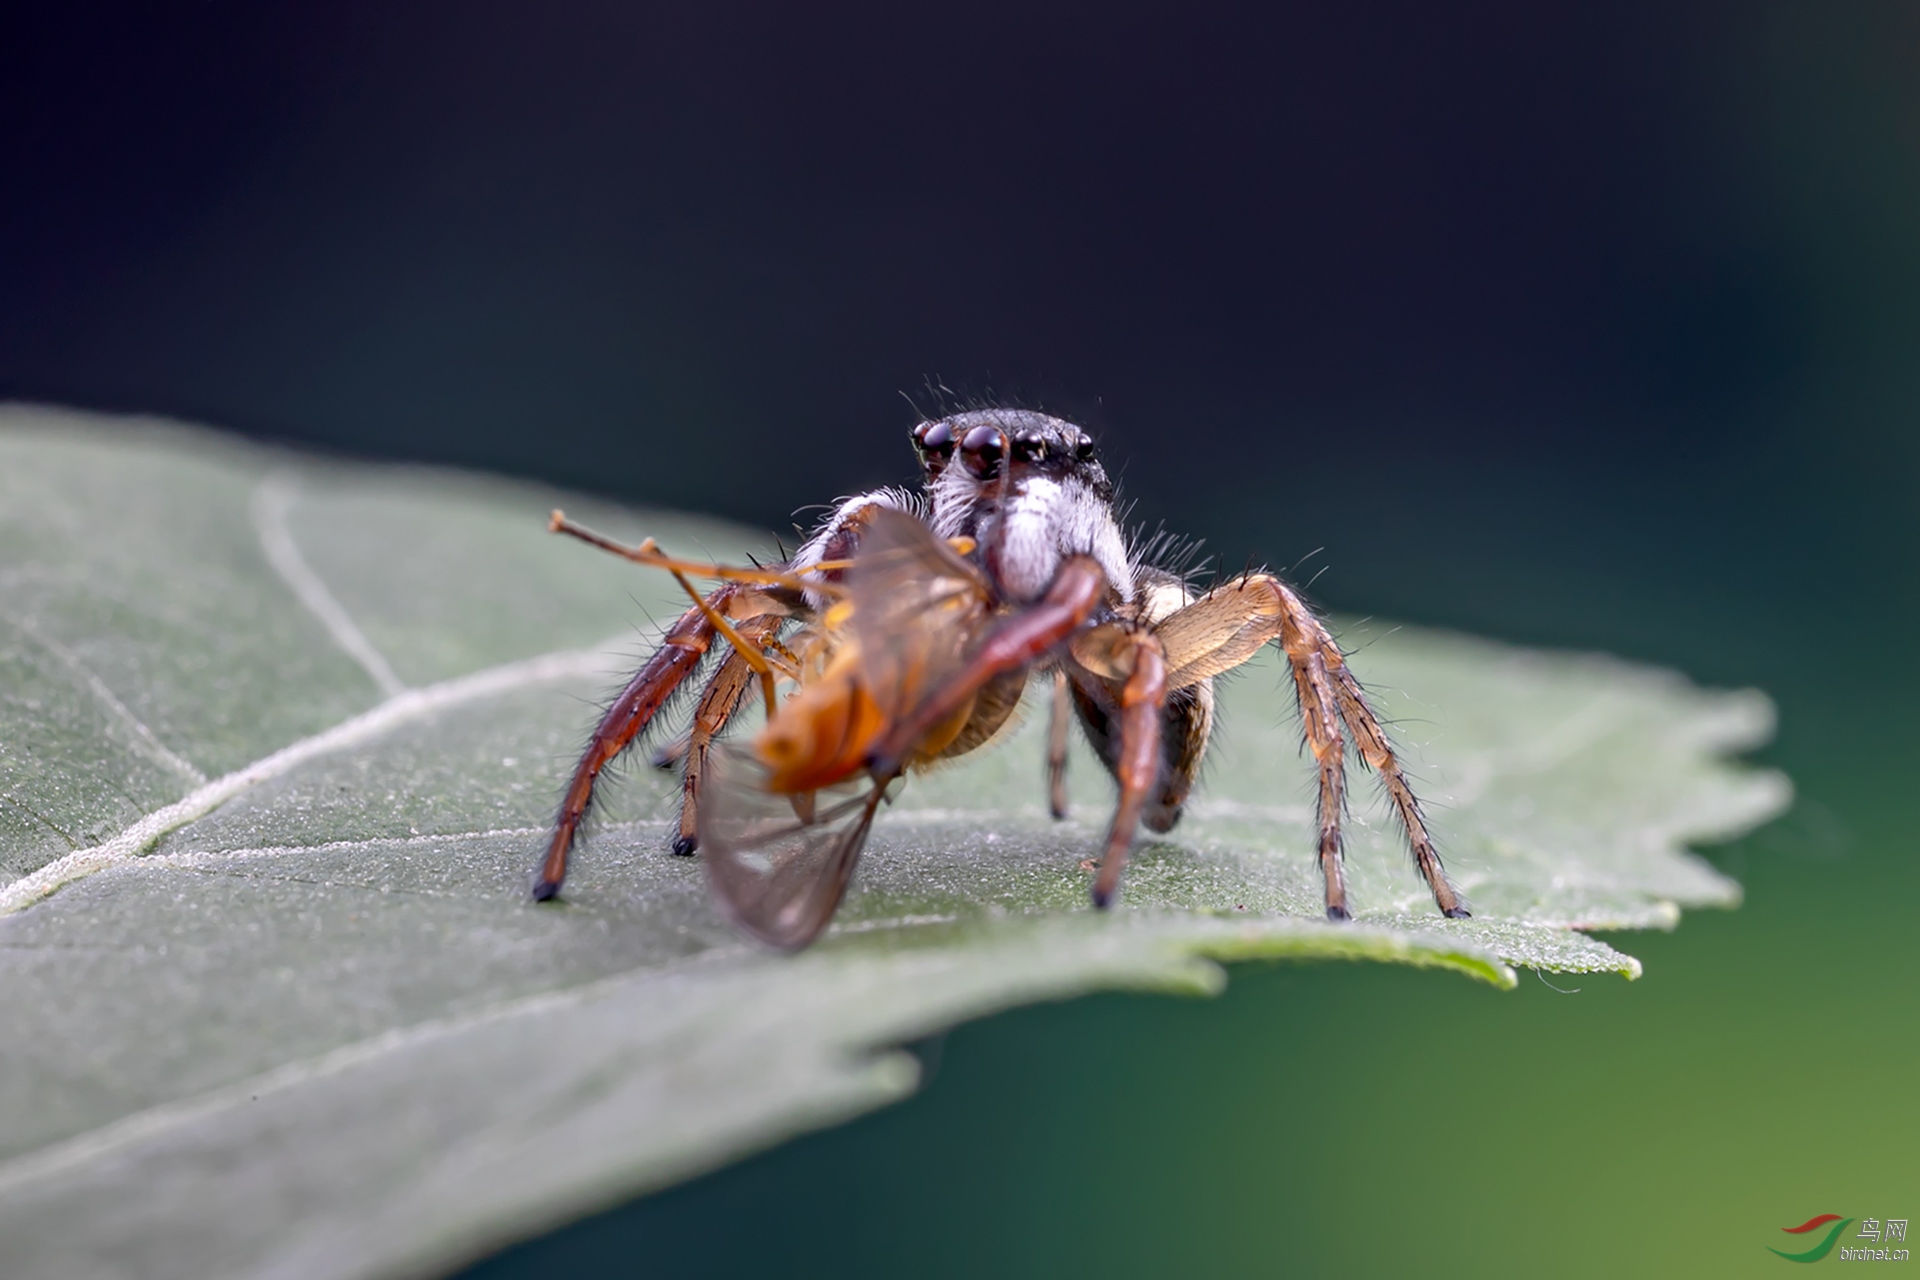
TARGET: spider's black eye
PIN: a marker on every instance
(1083, 450)
(981, 448)
(1030, 449)
(934, 439)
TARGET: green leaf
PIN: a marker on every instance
(278, 739)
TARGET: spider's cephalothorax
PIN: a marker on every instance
(901, 652)
(1029, 489)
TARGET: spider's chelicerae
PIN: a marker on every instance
(905, 631)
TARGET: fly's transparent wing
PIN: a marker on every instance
(917, 606)
(779, 864)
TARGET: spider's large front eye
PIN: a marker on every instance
(980, 449)
(1030, 449)
(1083, 449)
(933, 439)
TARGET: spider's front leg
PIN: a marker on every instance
(685, 644)
(720, 701)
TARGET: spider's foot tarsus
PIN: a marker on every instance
(1457, 913)
(683, 846)
(1059, 812)
(544, 890)
(1102, 898)
(1336, 912)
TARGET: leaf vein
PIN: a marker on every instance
(137, 838)
(271, 501)
(145, 740)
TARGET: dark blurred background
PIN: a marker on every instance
(1594, 326)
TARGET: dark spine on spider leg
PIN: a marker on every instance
(685, 645)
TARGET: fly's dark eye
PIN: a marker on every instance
(934, 438)
(1084, 449)
(981, 448)
(1030, 449)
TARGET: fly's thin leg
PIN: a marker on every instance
(1057, 745)
(1137, 767)
(1015, 642)
(649, 554)
(719, 702)
(686, 643)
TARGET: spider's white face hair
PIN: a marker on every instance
(1028, 488)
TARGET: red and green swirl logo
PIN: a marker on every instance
(1812, 1224)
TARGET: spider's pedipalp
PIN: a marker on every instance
(1137, 762)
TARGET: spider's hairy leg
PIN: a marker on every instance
(719, 702)
(686, 643)
(1015, 642)
(1225, 628)
(1307, 643)
(1321, 719)
(1377, 751)
(1137, 763)
(1057, 720)
(1306, 640)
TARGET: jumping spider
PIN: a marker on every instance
(908, 626)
